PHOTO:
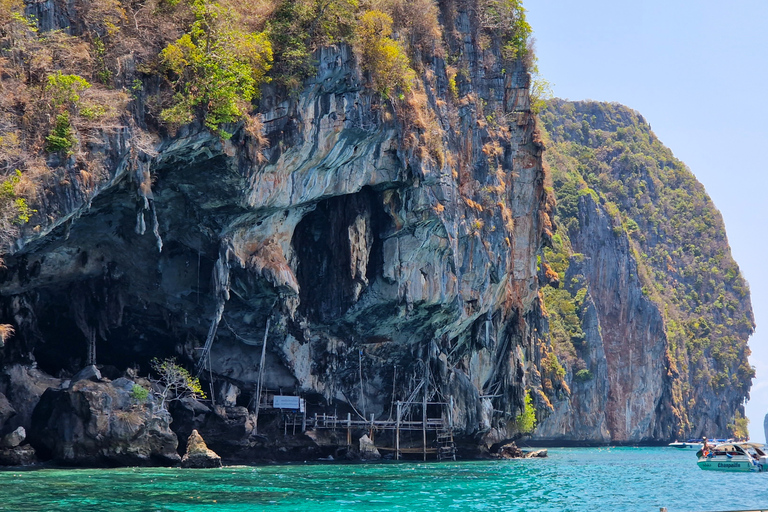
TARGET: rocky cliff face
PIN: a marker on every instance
(652, 317)
(386, 241)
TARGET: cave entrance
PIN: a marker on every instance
(338, 248)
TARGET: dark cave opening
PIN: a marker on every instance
(339, 252)
(132, 344)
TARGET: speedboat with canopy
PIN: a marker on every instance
(733, 457)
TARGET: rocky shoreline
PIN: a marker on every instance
(90, 420)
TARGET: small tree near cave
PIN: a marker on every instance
(174, 381)
(526, 420)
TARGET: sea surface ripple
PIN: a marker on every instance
(570, 479)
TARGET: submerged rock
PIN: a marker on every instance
(198, 454)
(100, 424)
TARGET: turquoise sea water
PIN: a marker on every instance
(571, 479)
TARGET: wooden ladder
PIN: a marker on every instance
(446, 448)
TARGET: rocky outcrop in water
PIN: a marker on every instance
(100, 423)
(198, 454)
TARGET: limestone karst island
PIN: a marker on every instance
(241, 232)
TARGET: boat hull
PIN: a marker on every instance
(734, 464)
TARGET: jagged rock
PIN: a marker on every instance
(509, 451)
(227, 430)
(198, 454)
(23, 385)
(368, 450)
(99, 423)
(90, 372)
(23, 455)
(536, 454)
(14, 439)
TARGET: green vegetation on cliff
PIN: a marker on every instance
(72, 79)
(675, 233)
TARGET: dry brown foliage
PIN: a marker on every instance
(416, 21)
(6, 331)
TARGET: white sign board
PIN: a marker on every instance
(288, 402)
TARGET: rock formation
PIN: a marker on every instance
(198, 454)
(388, 242)
(651, 317)
(101, 424)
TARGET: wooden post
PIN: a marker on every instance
(397, 430)
(424, 410)
(450, 425)
(360, 370)
(261, 376)
(371, 430)
(349, 429)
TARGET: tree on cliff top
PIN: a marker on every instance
(215, 68)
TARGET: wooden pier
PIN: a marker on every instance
(441, 428)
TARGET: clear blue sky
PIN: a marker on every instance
(697, 70)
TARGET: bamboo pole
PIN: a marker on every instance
(360, 370)
(261, 376)
(397, 430)
(349, 429)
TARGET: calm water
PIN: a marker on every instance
(571, 479)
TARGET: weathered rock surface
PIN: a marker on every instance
(378, 248)
(23, 385)
(198, 454)
(651, 317)
(624, 343)
(100, 424)
(367, 448)
(23, 455)
(90, 372)
(6, 411)
(508, 451)
(13, 439)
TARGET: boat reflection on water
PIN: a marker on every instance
(733, 457)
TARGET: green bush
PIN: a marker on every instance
(583, 375)
(526, 420)
(14, 209)
(299, 27)
(139, 393)
(65, 89)
(62, 137)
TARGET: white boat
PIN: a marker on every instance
(691, 443)
(733, 457)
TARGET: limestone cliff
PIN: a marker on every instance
(651, 316)
(386, 240)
